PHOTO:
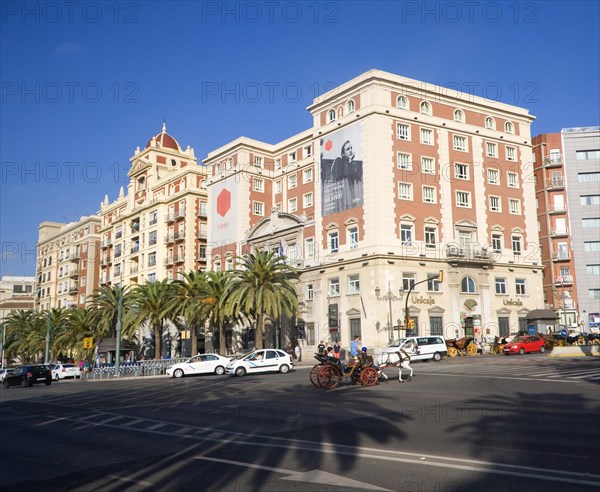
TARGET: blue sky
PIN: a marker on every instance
(83, 85)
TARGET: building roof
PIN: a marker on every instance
(163, 139)
(541, 314)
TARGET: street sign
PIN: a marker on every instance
(88, 342)
(333, 315)
(563, 333)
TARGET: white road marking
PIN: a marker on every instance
(131, 480)
(155, 426)
(133, 422)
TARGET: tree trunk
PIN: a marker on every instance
(260, 332)
(157, 340)
(222, 341)
(194, 337)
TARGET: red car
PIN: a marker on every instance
(527, 344)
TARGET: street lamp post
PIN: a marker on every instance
(118, 344)
(389, 297)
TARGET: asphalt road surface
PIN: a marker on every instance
(491, 423)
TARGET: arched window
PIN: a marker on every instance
(350, 106)
(230, 163)
(425, 108)
(402, 102)
(508, 127)
(218, 169)
(331, 115)
(203, 184)
(459, 116)
(489, 123)
(467, 286)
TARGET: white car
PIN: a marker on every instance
(62, 371)
(265, 360)
(4, 373)
(200, 364)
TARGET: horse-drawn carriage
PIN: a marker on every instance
(329, 372)
(462, 346)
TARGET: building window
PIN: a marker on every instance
(334, 287)
(490, 124)
(258, 185)
(152, 277)
(513, 180)
(278, 163)
(517, 247)
(258, 161)
(307, 200)
(292, 157)
(590, 223)
(511, 154)
(493, 176)
(405, 191)
(402, 102)
(292, 205)
(429, 194)
(461, 171)
(500, 285)
(350, 106)
(459, 116)
(310, 247)
(229, 264)
(334, 244)
(408, 281)
(310, 293)
(217, 266)
(497, 243)
(353, 237)
(459, 143)
(307, 175)
(427, 165)
(514, 206)
(402, 132)
(83, 281)
(508, 127)
(589, 199)
(491, 149)
(292, 181)
(278, 186)
(353, 284)
(258, 208)
(588, 177)
(307, 151)
(406, 233)
(467, 286)
(495, 204)
(594, 294)
(426, 136)
(520, 287)
(587, 155)
(591, 246)
(404, 161)
(331, 115)
(425, 108)
(430, 237)
(463, 199)
(592, 269)
(152, 259)
(433, 283)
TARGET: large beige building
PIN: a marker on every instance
(158, 228)
(67, 263)
(395, 181)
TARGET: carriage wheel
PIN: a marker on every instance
(472, 349)
(368, 376)
(452, 352)
(313, 375)
(328, 377)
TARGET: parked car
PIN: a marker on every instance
(4, 373)
(200, 364)
(62, 371)
(28, 376)
(433, 347)
(265, 360)
(527, 344)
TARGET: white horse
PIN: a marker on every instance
(404, 363)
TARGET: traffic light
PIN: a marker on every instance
(441, 276)
(411, 324)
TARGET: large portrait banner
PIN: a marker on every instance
(342, 170)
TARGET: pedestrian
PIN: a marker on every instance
(354, 350)
(298, 351)
(321, 347)
(337, 349)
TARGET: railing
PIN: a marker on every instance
(180, 214)
(563, 279)
(133, 369)
(553, 160)
(559, 232)
(556, 209)
(179, 235)
(559, 257)
(202, 233)
(555, 183)
(470, 254)
(170, 217)
(133, 270)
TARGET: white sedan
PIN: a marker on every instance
(200, 364)
(62, 371)
(4, 373)
(266, 360)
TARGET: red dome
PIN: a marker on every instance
(165, 140)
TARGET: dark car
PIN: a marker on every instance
(28, 376)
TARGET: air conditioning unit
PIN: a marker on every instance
(455, 251)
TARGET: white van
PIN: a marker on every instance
(433, 347)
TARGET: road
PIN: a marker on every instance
(521, 423)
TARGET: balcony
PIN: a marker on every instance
(202, 212)
(202, 233)
(106, 243)
(74, 274)
(560, 257)
(73, 290)
(135, 250)
(555, 183)
(178, 259)
(152, 241)
(170, 217)
(563, 280)
(106, 260)
(76, 256)
(153, 221)
(170, 238)
(180, 236)
(557, 209)
(64, 257)
(554, 160)
(133, 270)
(559, 233)
(180, 214)
(471, 255)
(169, 260)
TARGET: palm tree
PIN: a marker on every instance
(151, 304)
(262, 286)
(24, 336)
(79, 324)
(214, 301)
(104, 306)
(186, 301)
